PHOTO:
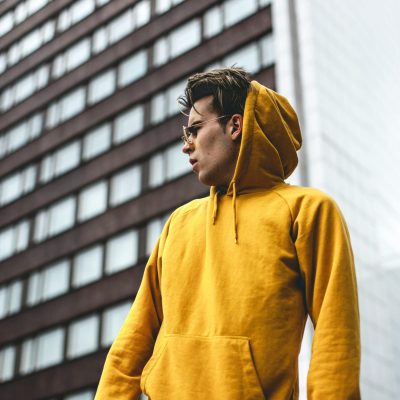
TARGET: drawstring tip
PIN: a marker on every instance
(236, 241)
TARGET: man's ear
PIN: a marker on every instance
(237, 126)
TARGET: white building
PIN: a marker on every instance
(339, 63)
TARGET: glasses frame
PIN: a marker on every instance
(186, 137)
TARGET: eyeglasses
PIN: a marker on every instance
(189, 131)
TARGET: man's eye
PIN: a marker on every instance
(193, 130)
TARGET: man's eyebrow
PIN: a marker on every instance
(195, 122)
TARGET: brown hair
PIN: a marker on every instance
(228, 86)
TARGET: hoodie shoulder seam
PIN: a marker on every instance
(189, 207)
(287, 204)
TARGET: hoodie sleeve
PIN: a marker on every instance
(120, 379)
(327, 266)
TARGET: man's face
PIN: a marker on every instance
(214, 149)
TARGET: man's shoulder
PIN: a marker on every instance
(296, 196)
(191, 206)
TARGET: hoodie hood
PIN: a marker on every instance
(270, 139)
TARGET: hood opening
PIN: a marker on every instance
(271, 136)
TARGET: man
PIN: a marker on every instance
(225, 295)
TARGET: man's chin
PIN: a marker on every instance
(206, 180)
(203, 179)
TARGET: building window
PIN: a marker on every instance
(121, 252)
(173, 93)
(142, 13)
(67, 158)
(113, 318)
(55, 280)
(7, 240)
(7, 363)
(3, 145)
(80, 10)
(247, 57)
(14, 239)
(132, 68)
(68, 106)
(121, 26)
(3, 301)
(125, 185)
(56, 219)
(267, 50)
(6, 23)
(74, 56)
(22, 233)
(92, 201)
(24, 88)
(86, 395)
(7, 98)
(15, 297)
(87, 266)
(165, 104)
(31, 42)
(253, 56)
(72, 104)
(11, 188)
(20, 134)
(77, 54)
(213, 22)
(101, 86)
(83, 336)
(185, 38)
(231, 7)
(156, 170)
(75, 13)
(3, 62)
(158, 107)
(128, 124)
(97, 141)
(161, 51)
(177, 163)
(49, 283)
(59, 67)
(177, 42)
(47, 169)
(168, 165)
(61, 161)
(61, 215)
(153, 232)
(42, 351)
(10, 298)
(50, 348)
(100, 39)
(27, 361)
(164, 5)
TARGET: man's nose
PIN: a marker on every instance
(187, 147)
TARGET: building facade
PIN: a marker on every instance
(338, 63)
(91, 163)
(91, 166)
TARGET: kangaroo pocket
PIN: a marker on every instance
(196, 367)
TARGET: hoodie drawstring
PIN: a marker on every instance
(234, 211)
(214, 195)
(215, 207)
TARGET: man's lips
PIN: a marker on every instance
(193, 162)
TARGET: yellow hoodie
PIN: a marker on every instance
(222, 306)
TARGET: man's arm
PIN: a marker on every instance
(134, 344)
(327, 266)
